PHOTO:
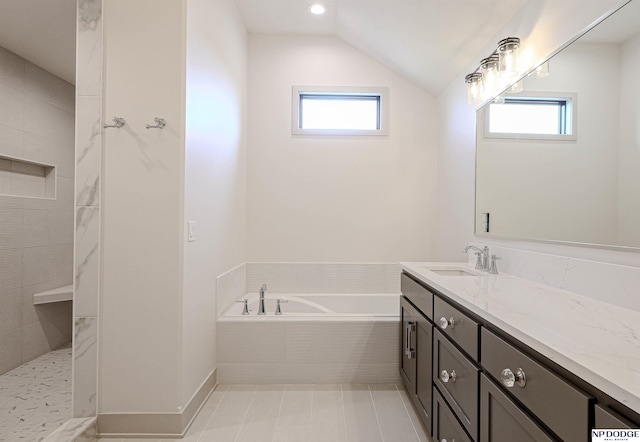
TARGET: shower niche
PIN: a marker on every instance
(27, 179)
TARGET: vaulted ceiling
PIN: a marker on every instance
(43, 32)
(427, 41)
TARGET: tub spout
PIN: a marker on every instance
(261, 304)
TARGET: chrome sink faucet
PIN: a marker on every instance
(482, 263)
(263, 289)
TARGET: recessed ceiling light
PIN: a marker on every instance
(317, 9)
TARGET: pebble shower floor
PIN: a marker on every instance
(35, 398)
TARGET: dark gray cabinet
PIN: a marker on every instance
(609, 419)
(408, 322)
(457, 325)
(445, 425)
(417, 350)
(561, 406)
(457, 379)
(501, 420)
(470, 381)
(424, 362)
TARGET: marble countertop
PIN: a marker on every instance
(595, 340)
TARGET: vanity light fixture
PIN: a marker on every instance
(317, 9)
(507, 51)
(490, 79)
(474, 88)
(494, 72)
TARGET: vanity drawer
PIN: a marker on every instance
(445, 425)
(501, 420)
(418, 295)
(457, 379)
(458, 326)
(561, 406)
(606, 418)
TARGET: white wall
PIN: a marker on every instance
(337, 198)
(543, 27)
(215, 174)
(629, 186)
(559, 190)
(142, 220)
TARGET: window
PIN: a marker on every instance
(533, 117)
(339, 111)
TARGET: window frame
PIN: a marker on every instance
(570, 117)
(381, 93)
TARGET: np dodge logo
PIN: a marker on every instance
(605, 435)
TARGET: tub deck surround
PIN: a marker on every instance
(597, 341)
(321, 338)
(324, 306)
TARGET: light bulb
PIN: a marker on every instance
(317, 9)
(507, 50)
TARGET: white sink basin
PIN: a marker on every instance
(451, 271)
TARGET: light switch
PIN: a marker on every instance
(191, 231)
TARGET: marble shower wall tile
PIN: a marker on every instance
(85, 367)
(88, 150)
(87, 261)
(88, 163)
(89, 48)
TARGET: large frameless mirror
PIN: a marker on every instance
(558, 156)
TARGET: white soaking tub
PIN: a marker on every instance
(319, 338)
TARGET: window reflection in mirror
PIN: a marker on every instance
(580, 190)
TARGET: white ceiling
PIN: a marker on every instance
(43, 32)
(427, 41)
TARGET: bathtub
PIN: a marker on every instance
(322, 307)
(319, 338)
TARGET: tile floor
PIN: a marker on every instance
(35, 398)
(304, 413)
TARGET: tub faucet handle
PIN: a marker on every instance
(263, 289)
(245, 308)
(278, 302)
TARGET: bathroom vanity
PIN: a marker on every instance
(501, 358)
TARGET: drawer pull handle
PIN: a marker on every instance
(410, 328)
(445, 376)
(444, 323)
(445, 440)
(509, 378)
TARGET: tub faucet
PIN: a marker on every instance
(261, 304)
(482, 263)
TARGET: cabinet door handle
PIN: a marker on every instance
(445, 376)
(509, 378)
(444, 323)
(410, 328)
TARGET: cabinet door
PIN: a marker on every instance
(408, 316)
(501, 420)
(457, 379)
(424, 364)
(446, 427)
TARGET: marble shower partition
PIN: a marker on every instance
(89, 61)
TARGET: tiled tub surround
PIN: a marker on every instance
(348, 347)
(36, 239)
(597, 341)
